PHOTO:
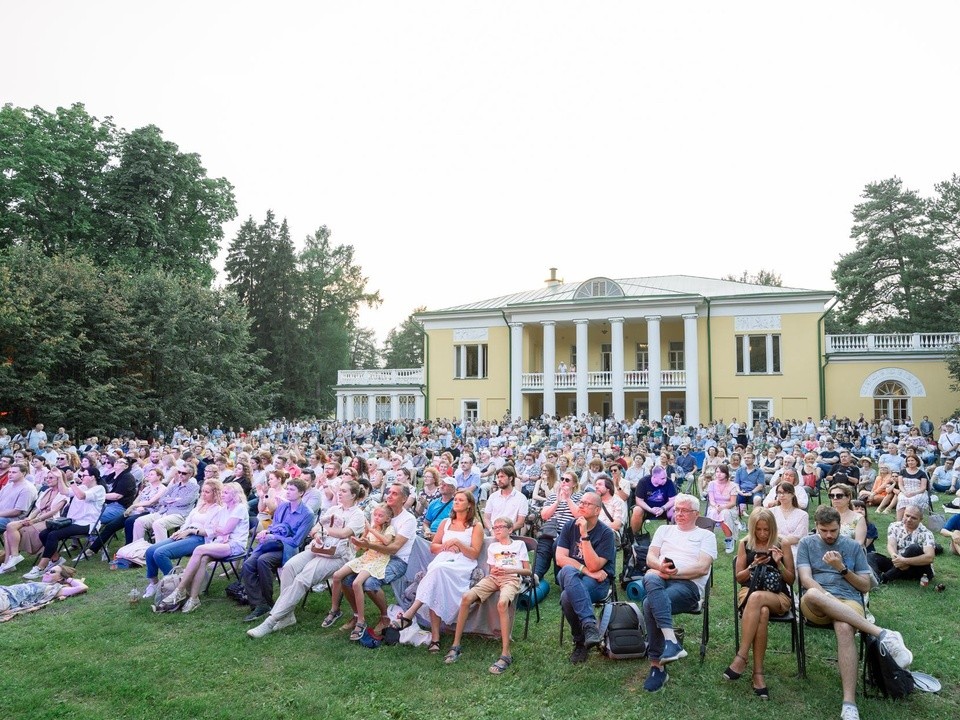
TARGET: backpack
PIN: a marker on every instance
(621, 627)
(168, 583)
(883, 673)
(635, 564)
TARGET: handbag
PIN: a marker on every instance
(767, 578)
(58, 523)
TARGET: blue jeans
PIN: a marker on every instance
(111, 512)
(664, 599)
(160, 555)
(395, 568)
(577, 595)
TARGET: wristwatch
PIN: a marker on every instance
(843, 573)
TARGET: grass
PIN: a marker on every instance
(95, 656)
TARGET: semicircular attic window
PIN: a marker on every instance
(599, 287)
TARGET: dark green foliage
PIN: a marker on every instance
(71, 182)
(904, 266)
(403, 347)
(763, 277)
(303, 309)
(102, 350)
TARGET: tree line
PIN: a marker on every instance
(110, 320)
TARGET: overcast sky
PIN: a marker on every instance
(464, 147)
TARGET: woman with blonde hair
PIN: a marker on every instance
(764, 572)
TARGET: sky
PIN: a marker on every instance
(463, 148)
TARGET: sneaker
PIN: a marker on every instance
(34, 574)
(591, 635)
(728, 545)
(656, 679)
(257, 613)
(579, 654)
(11, 563)
(190, 605)
(263, 629)
(285, 622)
(175, 597)
(848, 711)
(150, 591)
(56, 563)
(672, 651)
(892, 641)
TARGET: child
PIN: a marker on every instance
(507, 560)
(372, 563)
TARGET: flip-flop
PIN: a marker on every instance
(433, 647)
(501, 665)
(402, 623)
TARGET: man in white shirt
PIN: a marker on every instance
(507, 501)
(679, 562)
(949, 441)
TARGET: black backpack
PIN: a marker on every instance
(635, 560)
(621, 626)
(883, 673)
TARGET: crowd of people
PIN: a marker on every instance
(347, 503)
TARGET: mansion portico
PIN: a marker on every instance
(698, 347)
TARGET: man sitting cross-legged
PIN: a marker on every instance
(834, 574)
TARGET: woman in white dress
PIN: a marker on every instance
(457, 546)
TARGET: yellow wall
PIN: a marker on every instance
(844, 379)
(446, 393)
(796, 388)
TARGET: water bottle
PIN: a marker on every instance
(133, 597)
(925, 580)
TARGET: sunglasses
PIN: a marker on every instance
(834, 496)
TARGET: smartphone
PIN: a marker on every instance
(669, 563)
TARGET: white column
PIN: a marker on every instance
(516, 369)
(418, 407)
(349, 413)
(394, 406)
(691, 362)
(616, 367)
(339, 413)
(372, 407)
(653, 343)
(583, 395)
(549, 367)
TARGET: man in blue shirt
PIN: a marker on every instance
(587, 557)
(278, 543)
(750, 479)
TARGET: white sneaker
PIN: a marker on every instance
(263, 629)
(11, 563)
(893, 642)
(175, 597)
(285, 622)
(190, 605)
(34, 574)
(848, 711)
(56, 563)
(150, 591)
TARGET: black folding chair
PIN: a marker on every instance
(788, 617)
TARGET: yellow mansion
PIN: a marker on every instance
(698, 347)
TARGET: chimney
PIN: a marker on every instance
(552, 281)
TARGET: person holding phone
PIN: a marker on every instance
(678, 562)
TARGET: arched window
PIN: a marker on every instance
(598, 287)
(890, 398)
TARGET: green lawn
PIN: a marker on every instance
(97, 657)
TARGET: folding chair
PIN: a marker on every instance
(803, 623)
(528, 585)
(229, 563)
(788, 617)
(611, 596)
(83, 541)
(703, 610)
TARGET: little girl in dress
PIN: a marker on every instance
(372, 563)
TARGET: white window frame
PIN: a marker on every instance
(771, 359)
(643, 356)
(472, 414)
(750, 406)
(460, 353)
(675, 355)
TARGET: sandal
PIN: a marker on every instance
(761, 692)
(358, 631)
(731, 674)
(402, 623)
(501, 665)
(453, 655)
(350, 624)
(433, 647)
(331, 618)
